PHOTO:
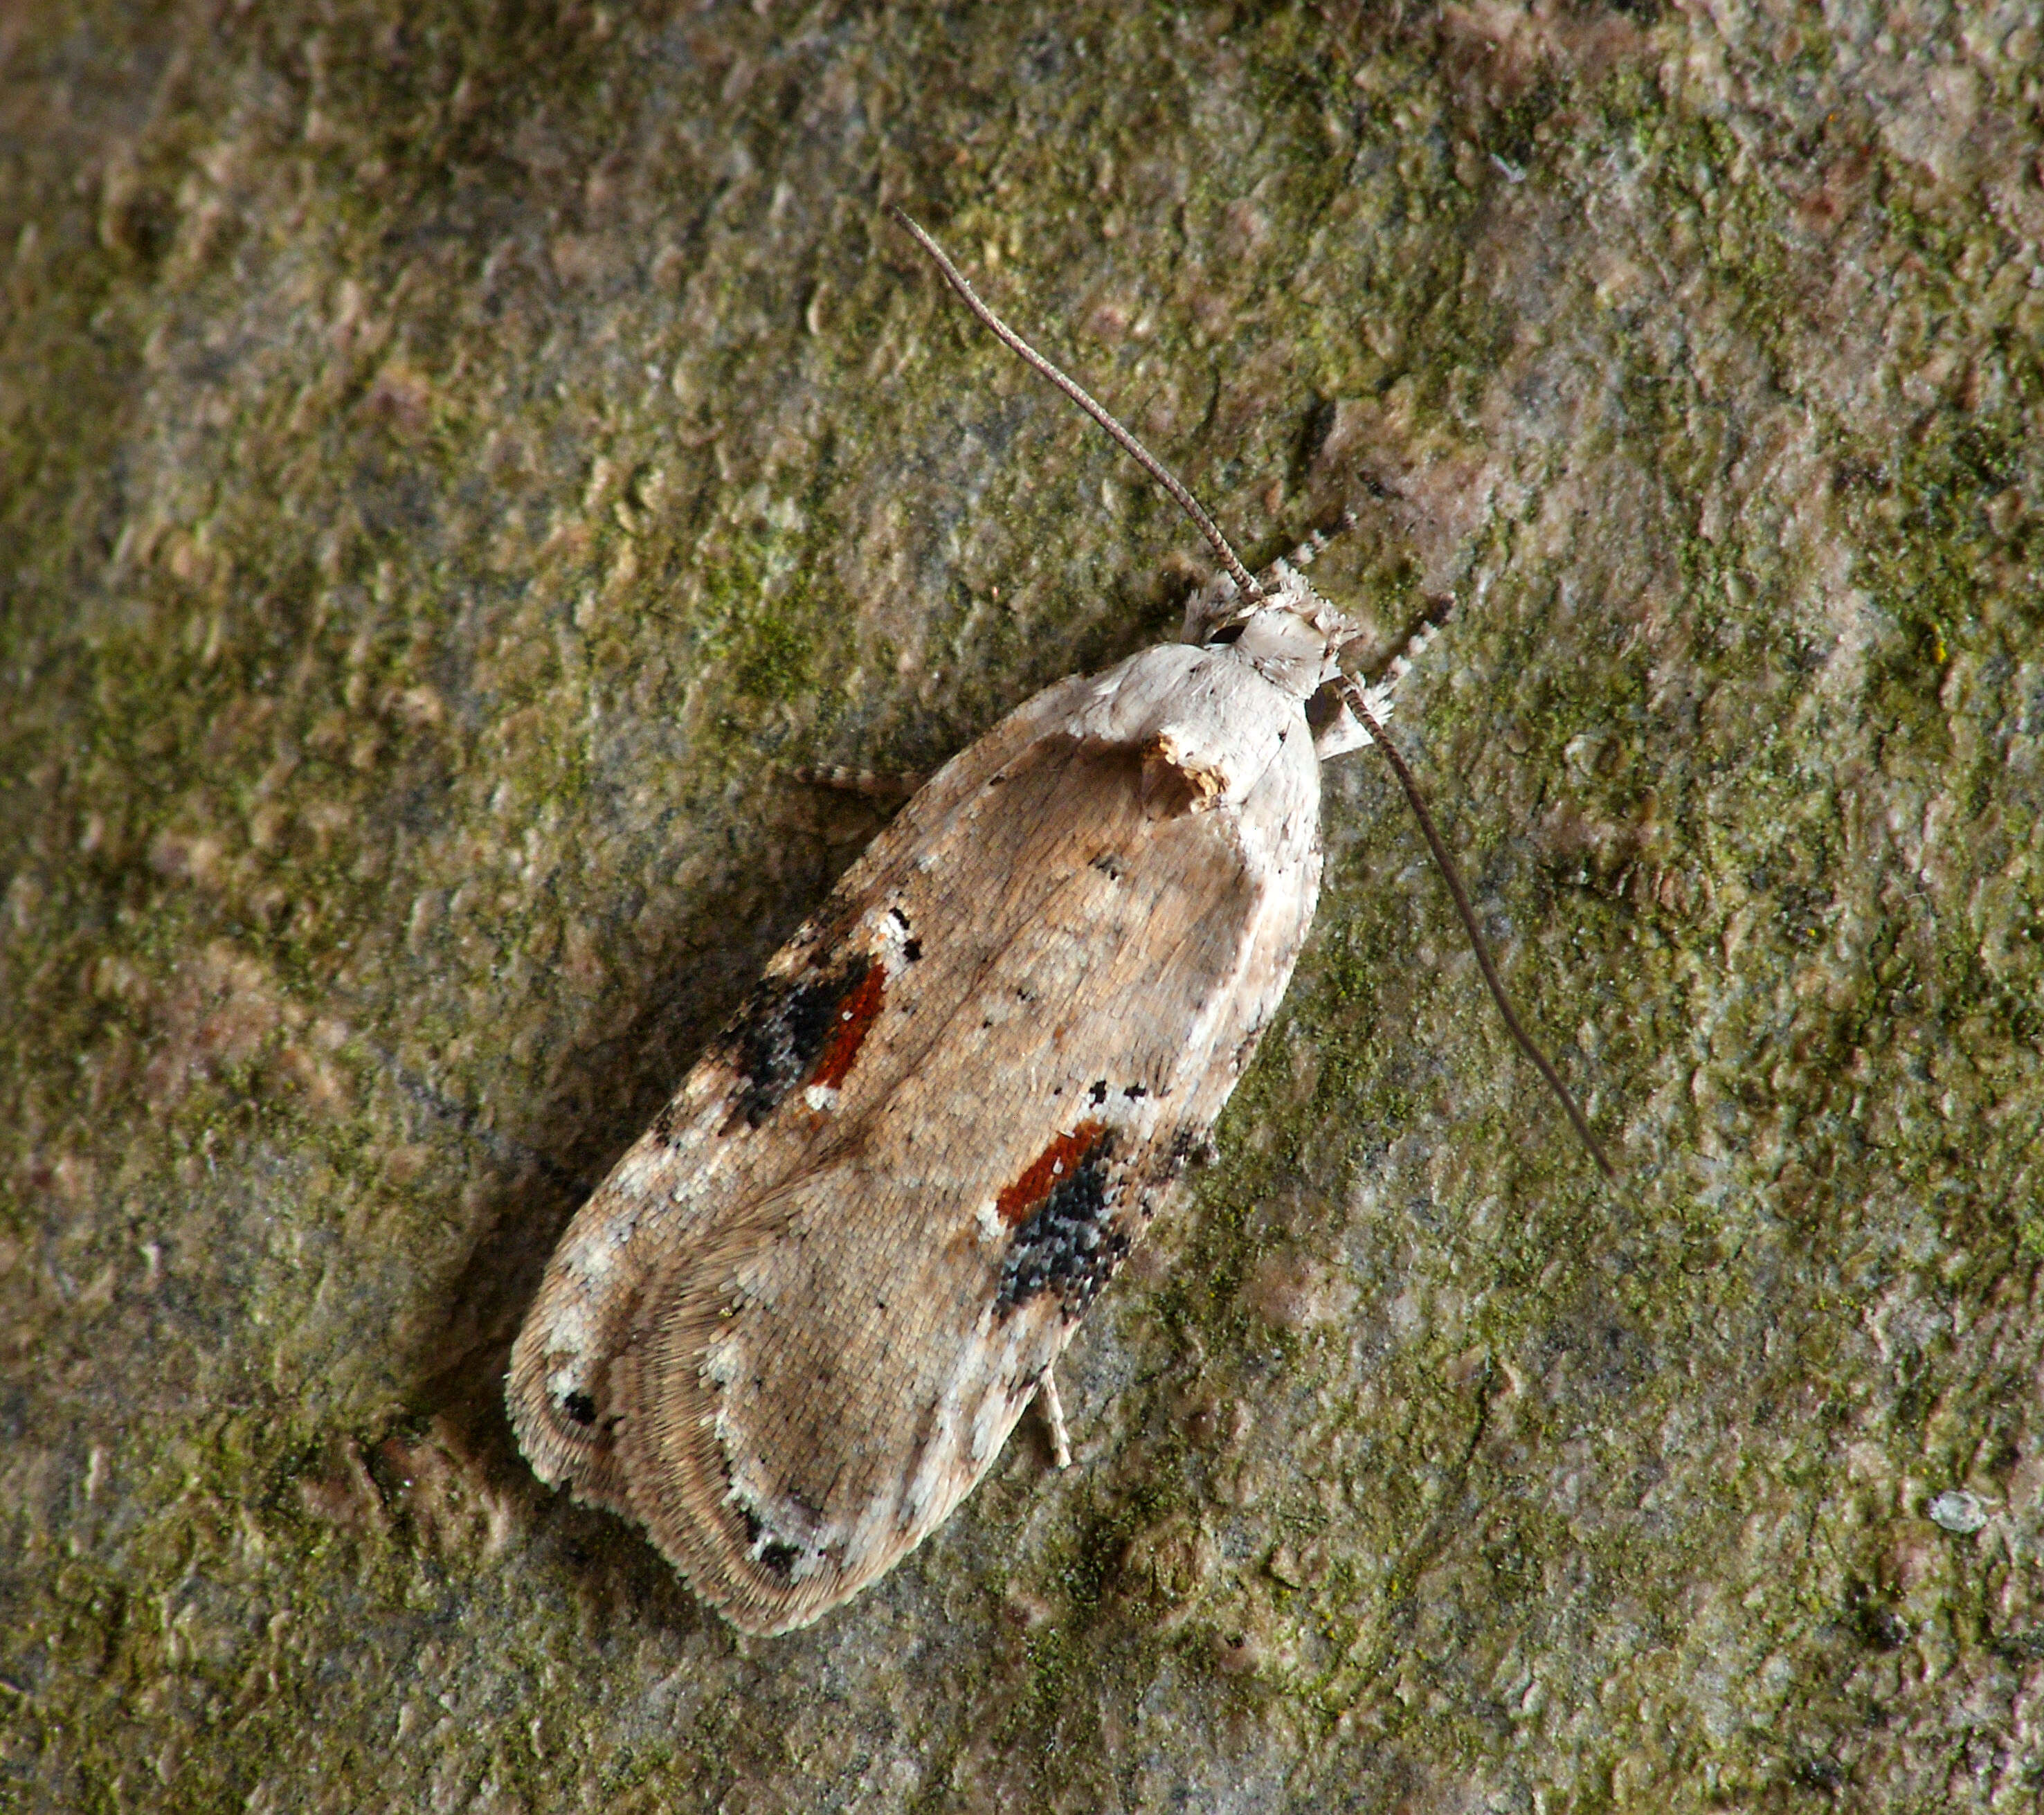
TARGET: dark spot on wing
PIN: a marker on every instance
(1062, 1210)
(794, 1027)
(776, 1556)
(580, 1407)
(1057, 1162)
(1098, 1093)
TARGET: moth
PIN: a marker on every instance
(797, 1323)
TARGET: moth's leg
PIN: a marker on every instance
(1047, 1397)
(1310, 550)
(1402, 664)
(877, 784)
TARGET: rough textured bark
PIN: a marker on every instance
(456, 459)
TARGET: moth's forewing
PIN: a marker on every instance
(723, 1139)
(825, 1293)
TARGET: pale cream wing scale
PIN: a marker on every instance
(874, 1224)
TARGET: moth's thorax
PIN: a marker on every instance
(1218, 730)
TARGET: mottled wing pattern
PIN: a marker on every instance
(719, 1139)
(800, 1319)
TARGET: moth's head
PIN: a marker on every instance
(1293, 636)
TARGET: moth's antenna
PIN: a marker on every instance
(1360, 707)
(1246, 582)
(1141, 454)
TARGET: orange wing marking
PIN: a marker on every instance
(855, 1016)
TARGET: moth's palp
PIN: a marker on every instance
(1098, 411)
(1360, 707)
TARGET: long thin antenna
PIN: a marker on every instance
(1360, 708)
(1246, 582)
(1141, 454)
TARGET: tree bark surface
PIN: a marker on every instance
(458, 462)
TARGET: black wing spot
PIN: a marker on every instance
(912, 948)
(776, 1556)
(1098, 1093)
(1068, 1244)
(1134, 1091)
(782, 1033)
(581, 1408)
